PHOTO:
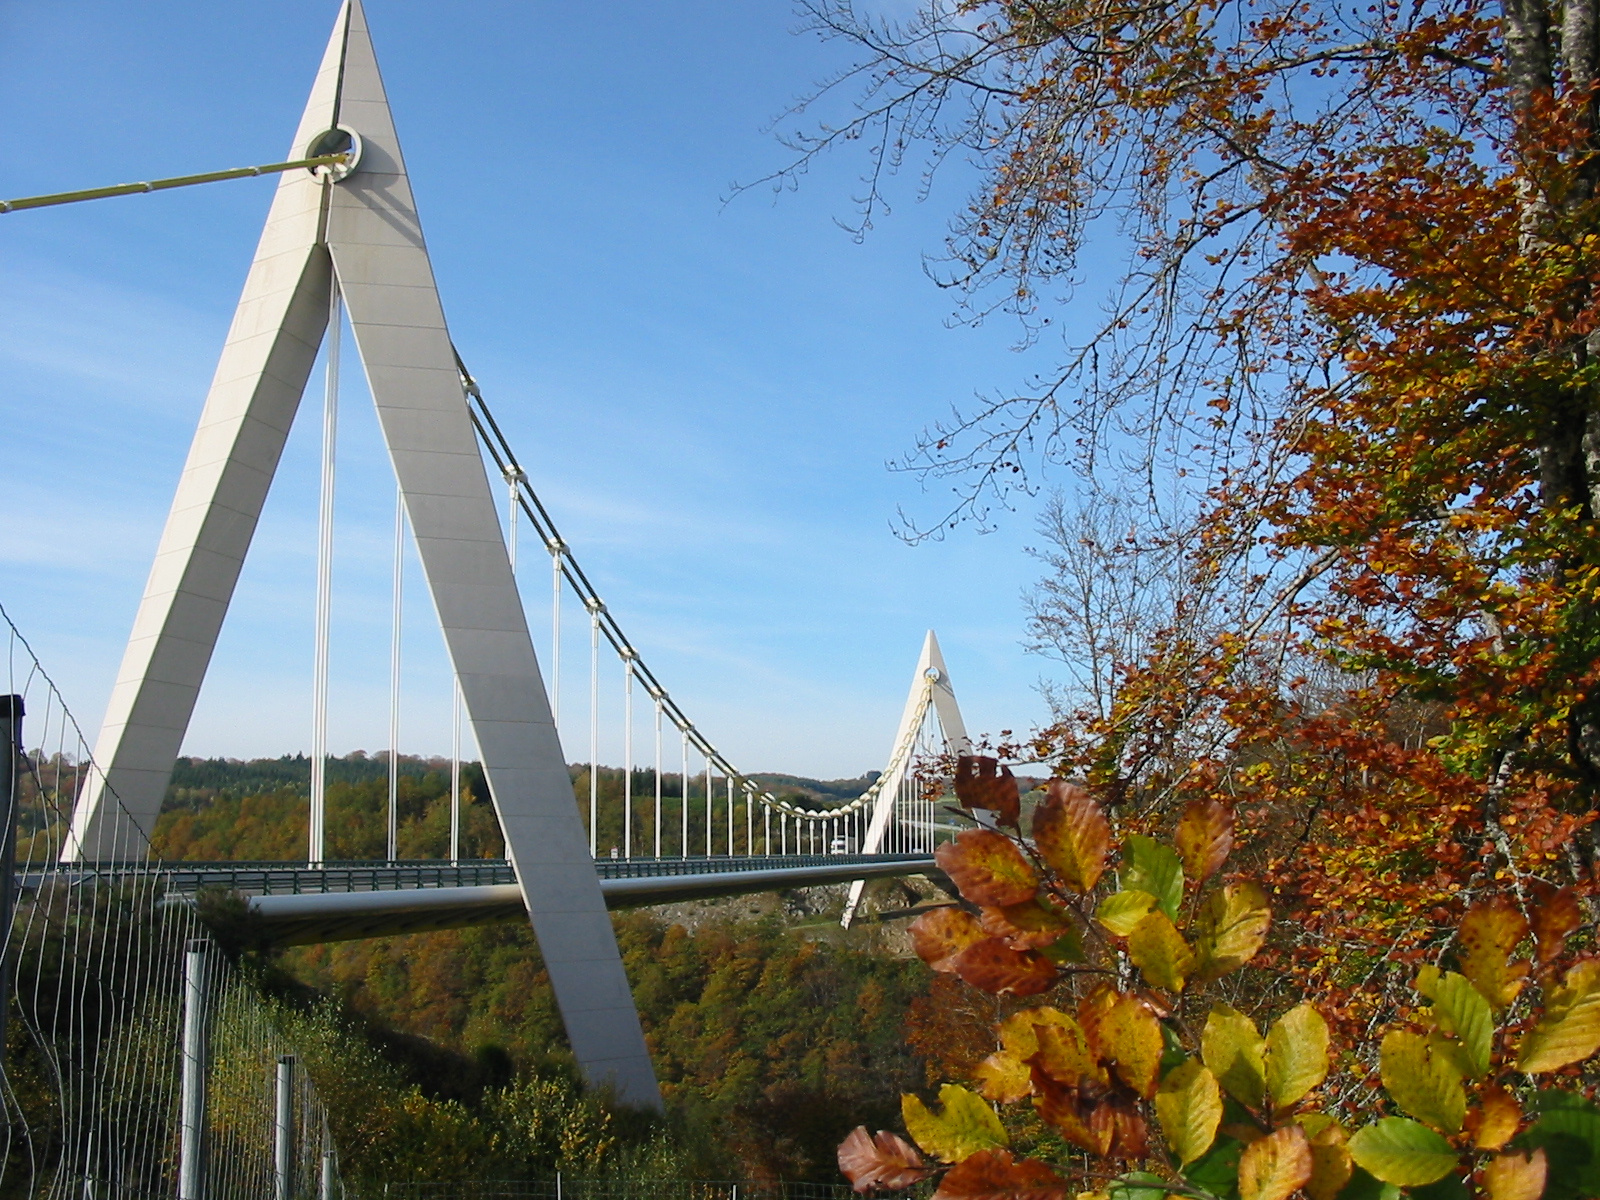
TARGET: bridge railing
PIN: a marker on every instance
(296, 878)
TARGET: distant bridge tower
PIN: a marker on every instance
(353, 231)
(932, 695)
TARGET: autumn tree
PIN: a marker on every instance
(1145, 1063)
(1346, 370)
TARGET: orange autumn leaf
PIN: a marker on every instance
(1205, 837)
(940, 934)
(1276, 1166)
(995, 1175)
(988, 868)
(1026, 926)
(886, 1161)
(1072, 835)
(993, 966)
(1062, 1106)
(1555, 913)
(1489, 935)
(1121, 1128)
(1515, 1176)
(1497, 1119)
(982, 782)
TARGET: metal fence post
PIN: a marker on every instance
(325, 1185)
(10, 789)
(283, 1132)
(196, 1056)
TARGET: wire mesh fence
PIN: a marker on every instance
(121, 1078)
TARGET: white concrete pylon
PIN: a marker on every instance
(364, 229)
(930, 687)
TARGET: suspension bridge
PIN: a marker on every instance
(343, 249)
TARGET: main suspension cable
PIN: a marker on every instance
(162, 185)
(603, 624)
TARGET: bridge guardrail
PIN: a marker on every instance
(294, 878)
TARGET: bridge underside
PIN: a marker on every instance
(292, 904)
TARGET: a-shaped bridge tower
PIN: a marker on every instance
(346, 235)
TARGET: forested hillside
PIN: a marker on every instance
(768, 1044)
(772, 1030)
(258, 809)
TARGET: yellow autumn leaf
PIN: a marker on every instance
(1003, 1079)
(1158, 949)
(1130, 1036)
(1234, 1052)
(1515, 1176)
(1064, 1055)
(1297, 1055)
(964, 1126)
(1423, 1082)
(1488, 935)
(1569, 1031)
(1230, 928)
(1121, 912)
(1331, 1166)
(1189, 1107)
(1274, 1167)
(1017, 1031)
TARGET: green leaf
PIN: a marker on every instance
(1233, 1050)
(1568, 1131)
(1121, 911)
(1158, 950)
(1172, 1051)
(1151, 867)
(1297, 1055)
(1363, 1186)
(1189, 1107)
(1137, 1185)
(1217, 1170)
(1451, 1187)
(1400, 1151)
(1461, 1011)
(966, 1125)
(1068, 948)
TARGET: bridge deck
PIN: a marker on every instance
(292, 903)
(298, 878)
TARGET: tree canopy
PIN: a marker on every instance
(1342, 399)
(1330, 557)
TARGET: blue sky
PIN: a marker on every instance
(705, 391)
